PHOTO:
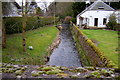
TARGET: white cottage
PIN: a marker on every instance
(96, 15)
(117, 14)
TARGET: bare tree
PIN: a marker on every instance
(45, 7)
(2, 28)
(24, 14)
(0, 33)
(0, 19)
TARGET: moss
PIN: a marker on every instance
(62, 75)
(81, 69)
(106, 72)
(47, 68)
(110, 64)
(41, 72)
(90, 68)
(85, 61)
(9, 66)
(35, 74)
(96, 74)
(74, 76)
(18, 72)
(23, 68)
(53, 72)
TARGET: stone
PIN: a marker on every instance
(16, 66)
(47, 68)
(9, 66)
(30, 47)
(62, 75)
(90, 68)
(54, 72)
(18, 72)
(74, 76)
(81, 69)
(19, 77)
(35, 73)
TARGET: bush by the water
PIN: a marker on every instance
(73, 20)
(14, 24)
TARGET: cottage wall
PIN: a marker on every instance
(96, 14)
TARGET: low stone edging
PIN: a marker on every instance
(91, 52)
(20, 72)
(54, 45)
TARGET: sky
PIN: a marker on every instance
(39, 2)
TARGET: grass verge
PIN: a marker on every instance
(108, 42)
(40, 39)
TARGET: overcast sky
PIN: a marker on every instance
(39, 2)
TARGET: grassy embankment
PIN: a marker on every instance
(40, 39)
(108, 42)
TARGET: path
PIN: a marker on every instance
(66, 53)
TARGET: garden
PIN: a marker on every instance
(106, 41)
(39, 35)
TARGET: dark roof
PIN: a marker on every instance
(17, 5)
(98, 5)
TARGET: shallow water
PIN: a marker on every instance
(66, 53)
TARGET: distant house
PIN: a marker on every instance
(13, 9)
(31, 7)
(96, 15)
(10, 9)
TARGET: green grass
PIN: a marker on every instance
(40, 39)
(108, 42)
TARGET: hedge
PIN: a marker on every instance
(14, 24)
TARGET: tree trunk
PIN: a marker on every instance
(24, 13)
(2, 29)
(3, 36)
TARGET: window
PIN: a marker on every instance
(104, 21)
(100, 7)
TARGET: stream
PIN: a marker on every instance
(65, 54)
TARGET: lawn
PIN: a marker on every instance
(108, 42)
(40, 39)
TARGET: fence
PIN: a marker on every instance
(90, 54)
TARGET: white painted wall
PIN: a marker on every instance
(78, 20)
(117, 13)
(95, 14)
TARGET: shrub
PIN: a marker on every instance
(14, 24)
(112, 22)
(73, 20)
(67, 20)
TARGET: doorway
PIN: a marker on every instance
(95, 21)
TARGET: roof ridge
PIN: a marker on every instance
(108, 6)
(93, 5)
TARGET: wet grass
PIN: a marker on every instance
(108, 42)
(40, 39)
